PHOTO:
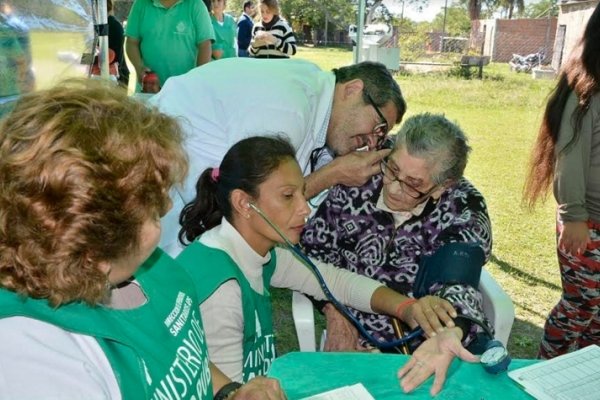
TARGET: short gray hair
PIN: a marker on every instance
(439, 141)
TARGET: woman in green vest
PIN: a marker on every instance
(234, 260)
(89, 307)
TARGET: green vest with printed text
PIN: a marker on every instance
(157, 350)
(210, 268)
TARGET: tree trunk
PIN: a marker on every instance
(369, 18)
(474, 9)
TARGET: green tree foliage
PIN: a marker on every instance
(314, 13)
(414, 43)
(542, 9)
(479, 9)
(339, 14)
(457, 21)
(510, 6)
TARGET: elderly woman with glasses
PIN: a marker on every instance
(403, 219)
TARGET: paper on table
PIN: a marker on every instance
(354, 392)
(571, 376)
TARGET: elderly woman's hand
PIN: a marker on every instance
(431, 313)
(434, 357)
(341, 334)
(260, 388)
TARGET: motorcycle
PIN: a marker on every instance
(526, 63)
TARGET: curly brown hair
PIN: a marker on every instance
(82, 167)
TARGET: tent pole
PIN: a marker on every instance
(360, 27)
(100, 9)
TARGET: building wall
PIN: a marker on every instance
(573, 16)
(500, 38)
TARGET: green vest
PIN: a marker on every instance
(157, 350)
(210, 268)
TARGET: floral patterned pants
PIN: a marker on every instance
(574, 322)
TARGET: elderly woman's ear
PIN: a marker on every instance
(437, 193)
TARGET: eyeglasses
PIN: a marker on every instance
(381, 129)
(392, 176)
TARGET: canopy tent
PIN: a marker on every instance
(44, 42)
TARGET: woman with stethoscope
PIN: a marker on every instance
(243, 210)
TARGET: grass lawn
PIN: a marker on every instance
(500, 114)
(56, 56)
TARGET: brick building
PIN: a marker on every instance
(572, 19)
(500, 38)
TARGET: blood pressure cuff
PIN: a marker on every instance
(450, 264)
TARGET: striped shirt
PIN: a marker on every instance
(286, 43)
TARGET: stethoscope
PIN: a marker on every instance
(341, 307)
(495, 359)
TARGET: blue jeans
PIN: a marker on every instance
(243, 53)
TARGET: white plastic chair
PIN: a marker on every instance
(497, 305)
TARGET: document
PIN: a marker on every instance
(571, 376)
(354, 392)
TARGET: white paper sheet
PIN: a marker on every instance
(354, 392)
(571, 376)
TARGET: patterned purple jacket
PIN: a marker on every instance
(349, 231)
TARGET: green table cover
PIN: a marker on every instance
(306, 374)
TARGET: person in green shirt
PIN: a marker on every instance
(89, 306)
(168, 37)
(225, 29)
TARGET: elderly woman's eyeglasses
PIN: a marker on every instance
(381, 129)
(389, 174)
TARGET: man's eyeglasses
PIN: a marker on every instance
(392, 176)
(381, 129)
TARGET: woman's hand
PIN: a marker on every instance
(260, 388)
(431, 313)
(574, 238)
(434, 357)
(269, 38)
(265, 37)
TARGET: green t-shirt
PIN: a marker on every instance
(225, 35)
(169, 37)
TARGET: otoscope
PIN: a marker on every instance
(341, 307)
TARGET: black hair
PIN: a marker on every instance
(378, 83)
(245, 166)
(248, 4)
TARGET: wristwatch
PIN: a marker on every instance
(495, 358)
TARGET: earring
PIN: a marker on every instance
(247, 216)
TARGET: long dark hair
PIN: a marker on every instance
(580, 75)
(245, 166)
